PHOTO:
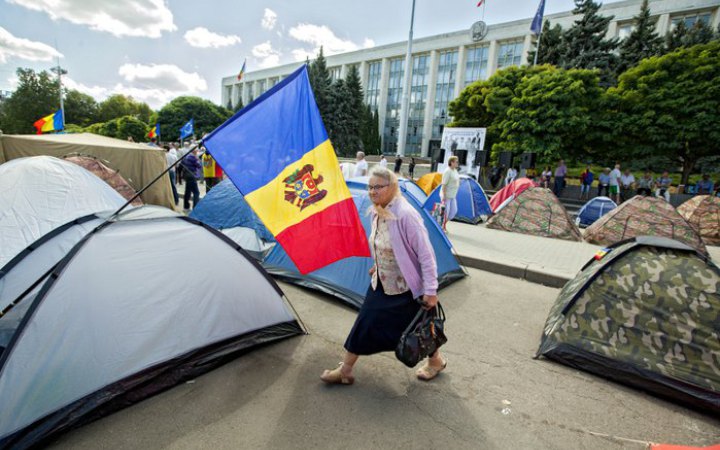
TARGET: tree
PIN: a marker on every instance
(682, 36)
(80, 109)
(338, 123)
(36, 96)
(370, 134)
(321, 83)
(551, 46)
(356, 107)
(175, 114)
(551, 114)
(131, 126)
(674, 39)
(239, 105)
(585, 45)
(670, 106)
(119, 105)
(642, 43)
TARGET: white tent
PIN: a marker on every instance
(116, 319)
(40, 193)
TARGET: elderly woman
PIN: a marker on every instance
(403, 279)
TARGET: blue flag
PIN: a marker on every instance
(188, 129)
(536, 25)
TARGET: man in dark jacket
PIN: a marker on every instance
(192, 172)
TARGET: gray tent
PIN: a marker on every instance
(104, 316)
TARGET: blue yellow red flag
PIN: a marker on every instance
(277, 153)
(242, 71)
(154, 132)
(53, 122)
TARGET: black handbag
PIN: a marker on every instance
(424, 335)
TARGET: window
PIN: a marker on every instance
(261, 87)
(510, 54)
(372, 96)
(444, 90)
(625, 30)
(418, 99)
(392, 112)
(334, 73)
(476, 66)
(691, 19)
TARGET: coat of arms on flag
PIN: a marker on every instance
(301, 188)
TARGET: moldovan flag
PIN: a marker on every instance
(277, 153)
(53, 122)
(154, 131)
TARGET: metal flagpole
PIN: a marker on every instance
(405, 106)
(537, 46)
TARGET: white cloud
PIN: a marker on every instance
(321, 35)
(98, 92)
(145, 18)
(269, 19)
(266, 55)
(11, 46)
(300, 54)
(163, 76)
(203, 38)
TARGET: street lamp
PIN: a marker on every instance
(60, 72)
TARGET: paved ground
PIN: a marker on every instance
(493, 395)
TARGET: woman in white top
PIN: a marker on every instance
(449, 189)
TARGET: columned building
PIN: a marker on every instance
(443, 65)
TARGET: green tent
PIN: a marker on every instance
(644, 312)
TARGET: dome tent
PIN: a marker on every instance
(536, 211)
(429, 181)
(413, 189)
(150, 328)
(644, 313)
(105, 173)
(472, 203)
(40, 193)
(643, 216)
(509, 192)
(703, 213)
(348, 279)
(594, 209)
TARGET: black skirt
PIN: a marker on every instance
(381, 322)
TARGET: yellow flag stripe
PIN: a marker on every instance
(277, 213)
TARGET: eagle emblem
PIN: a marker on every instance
(301, 189)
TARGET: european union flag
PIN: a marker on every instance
(188, 129)
(536, 26)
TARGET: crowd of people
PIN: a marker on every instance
(197, 166)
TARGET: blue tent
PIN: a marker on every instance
(347, 279)
(408, 187)
(593, 210)
(473, 205)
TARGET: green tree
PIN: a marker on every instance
(370, 132)
(356, 107)
(585, 45)
(36, 96)
(670, 106)
(551, 114)
(119, 105)
(674, 39)
(80, 109)
(642, 43)
(321, 84)
(239, 105)
(131, 126)
(175, 114)
(551, 45)
(338, 123)
(682, 36)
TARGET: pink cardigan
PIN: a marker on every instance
(414, 253)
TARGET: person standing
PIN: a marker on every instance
(560, 173)
(361, 166)
(383, 161)
(546, 176)
(663, 186)
(586, 181)
(411, 168)
(171, 158)
(646, 184)
(604, 183)
(192, 171)
(448, 190)
(511, 175)
(403, 279)
(705, 186)
(210, 169)
(627, 185)
(615, 183)
(398, 164)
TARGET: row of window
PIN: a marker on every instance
(624, 30)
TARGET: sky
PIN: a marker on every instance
(155, 50)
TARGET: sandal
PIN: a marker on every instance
(428, 372)
(335, 376)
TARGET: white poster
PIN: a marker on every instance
(463, 143)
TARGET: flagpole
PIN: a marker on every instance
(405, 106)
(537, 46)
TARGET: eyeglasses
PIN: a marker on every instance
(376, 187)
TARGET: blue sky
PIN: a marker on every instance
(155, 50)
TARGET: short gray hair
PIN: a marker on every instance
(361, 154)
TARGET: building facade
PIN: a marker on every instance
(443, 65)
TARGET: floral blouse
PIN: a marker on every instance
(386, 266)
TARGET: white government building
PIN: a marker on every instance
(445, 64)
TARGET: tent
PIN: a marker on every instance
(509, 192)
(84, 346)
(645, 313)
(40, 193)
(643, 216)
(536, 211)
(138, 163)
(429, 182)
(348, 279)
(472, 203)
(593, 210)
(347, 169)
(411, 188)
(108, 175)
(703, 213)
(225, 209)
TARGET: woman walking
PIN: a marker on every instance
(404, 270)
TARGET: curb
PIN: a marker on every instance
(515, 270)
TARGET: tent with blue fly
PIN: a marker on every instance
(593, 210)
(472, 203)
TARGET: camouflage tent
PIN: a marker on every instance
(643, 216)
(703, 213)
(108, 175)
(538, 212)
(647, 314)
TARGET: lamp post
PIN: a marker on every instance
(405, 106)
